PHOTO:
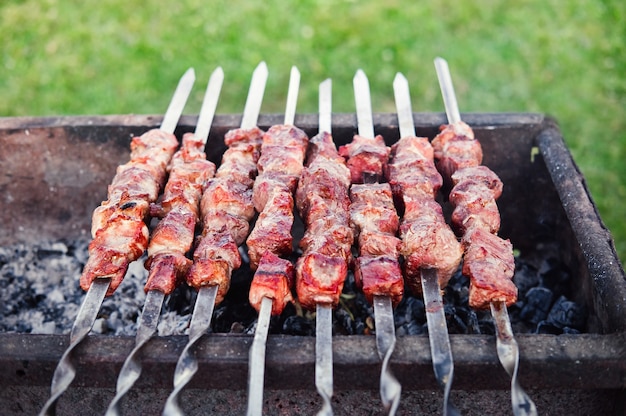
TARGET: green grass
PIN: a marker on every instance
(564, 58)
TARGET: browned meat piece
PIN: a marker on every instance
(320, 195)
(272, 231)
(379, 276)
(372, 209)
(166, 271)
(456, 148)
(429, 243)
(374, 243)
(219, 221)
(320, 279)
(265, 185)
(229, 196)
(366, 157)
(214, 259)
(273, 279)
(490, 265)
(120, 235)
(474, 203)
(329, 237)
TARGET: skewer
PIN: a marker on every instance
(131, 370)
(507, 347)
(256, 369)
(187, 364)
(390, 388)
(65, 372)
(324, 312)
(443, 363)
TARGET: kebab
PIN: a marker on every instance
(488, 260)
(226, 210)
(323, 203)
(173, 236)
(429, 247)
(119, 230)
(375, 223)
(279, 167)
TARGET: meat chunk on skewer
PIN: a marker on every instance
(489, 261)
(323, 202)
(280, 166)
(180, 211)
(366, 158)
(374, 219)
(119, 232)
(427, 241)
(226, 209)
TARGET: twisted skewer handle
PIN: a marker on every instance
(65, 371)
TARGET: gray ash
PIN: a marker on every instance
(39, 293)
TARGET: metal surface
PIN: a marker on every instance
(256, 367)
(255, 97)
(507, 348)
(131, 370)
(187, 364)
(443, 364)
(325, 106)
(508, 354)
(292, 96)
(447, 91)
(177, 104)
(257, 351)
(65, 373)
(404, 110)
(363, 103)
(390, 388)
(324, 356)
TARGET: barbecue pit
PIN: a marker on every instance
(55, 172)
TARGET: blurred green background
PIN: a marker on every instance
(563, 58)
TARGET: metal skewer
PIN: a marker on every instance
(324, 312)
(390, 388)
(65, 372)
(131, 370)
(507, 348)
(187, 364)
(256, 369)
(443, 363)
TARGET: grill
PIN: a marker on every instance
(55, 171)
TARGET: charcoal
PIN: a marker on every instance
(298, 325)
(39, 293)
(344, 322)
(555, 275)
(566, 313)
(525, 278)
(537, 305)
